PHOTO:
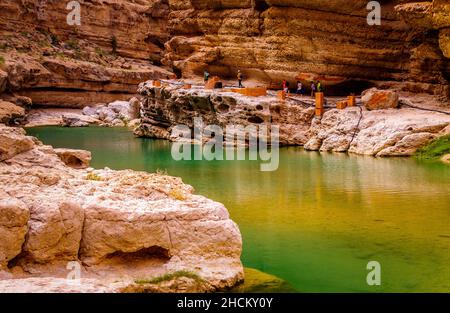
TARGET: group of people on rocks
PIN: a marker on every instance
(315, 86)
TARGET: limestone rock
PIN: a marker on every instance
(397, 133)
(90, 111)
(54, 230)
(163, 108)
(175, 285)
(429, 15)
(74, 158)
(117, 113)
(120, 225)
(119, 106)
(10, 112)
(374, 99)
(106, 114)
(78, 120)
(135, 108)
(13, 141)
(14, 216)
(408, 145)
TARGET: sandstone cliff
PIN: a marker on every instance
(117, 45)
(122, 226)
(123, 42)
(271, 40)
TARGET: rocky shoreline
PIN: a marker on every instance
(378, 128)
(118, 227)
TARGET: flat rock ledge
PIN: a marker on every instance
(84, 230)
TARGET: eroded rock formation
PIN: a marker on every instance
(120, 225)
(163, 108)
(118, 45)
(123, 42)
(380, 131)
(271, 40)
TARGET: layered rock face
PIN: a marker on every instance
(123, 42)
(378, 130)
(271, 40)
(164, 108)
(121, 226)
(117, 45)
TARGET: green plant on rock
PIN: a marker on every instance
(44, 44)
(2, 60)
(435, 150)
(162, 172)
(54, 39)
(61, 55)
(124, 119)
(114, 44)
(170, 276)
(73, 44)
(100, 52)
(177, 194)
(94, 177)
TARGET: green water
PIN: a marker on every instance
(319, 219)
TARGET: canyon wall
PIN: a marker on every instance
(118, 45)
(123, 42)
(329, 40)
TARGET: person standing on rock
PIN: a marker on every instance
(319, 86)
(313, 89)
(240, 77)
(299, 88)
(286, 88)
(206, 76)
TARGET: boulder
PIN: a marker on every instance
(377, 133)
(106, 114)
(119, 106)
(375, 99)
(22, 101)
(78, 120)
(14, 216)
(118, 123)
(9, 112)
(163, 108)
(91, 111)
(55, 229)
(135, 108)
(13, 141)
(408, 145)
(74, 158)
(119, 226)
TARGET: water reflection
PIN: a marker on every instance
(319, 218)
